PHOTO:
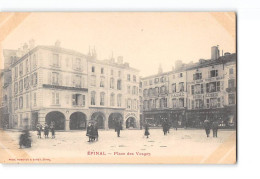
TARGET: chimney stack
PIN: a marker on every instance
(214, 52)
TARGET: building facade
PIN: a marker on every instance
(194, 93)
(51, 83)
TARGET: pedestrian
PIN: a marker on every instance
(146, 133)
(46, 131)
(168, 126)
(39, 130)
(118, 127)
(207, 127)
(52, 128)
(90, 130)
(165, 128)
(95, 132)
(215, 128)
(176, 125)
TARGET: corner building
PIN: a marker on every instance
(193, 92)
(51, 83)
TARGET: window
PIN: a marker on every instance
(15, 72)
(145, 92)
(93, 98)
(231, 83)
(119, 73)
(26, 82)
(162, 89)
(174, 103)
(135, 104)
(16, 87)
(102, 71)
(55, 98)
(55, 78)
(34, 99)
(231, 99)
(112, 83)
(181, 86)
(93, 69)
(102, 82)
(102, 99)
(21, 69)
(174, 87)
(93, 80)
(156, 91)
(20, 102)
(21, 85)
(128, 89)
(181, 102)
(145, 83)
(129, 103)
(192, 104)
(181, 75)
(163, 102)
(150, 82)
(15, 103)
(119, 100)
(198, 103)
(119, 86)
(112, 72)
(213, 87)
(27, 65)
(197, 89)
(162, 79)
(208, 103)
(213, 73)
(77, 81)
(134, 91)
(156, 80)
(197, 76)
(128, 77)
(231, 71)
(214, 102)
(27, 101)
(35, 80)
(134, 78)
(112, 99)
(157, 103)
(151, 104)
(78, 64)
(55, 61)
(150, 92)
(78, 100)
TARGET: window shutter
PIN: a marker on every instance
(222, 85)
(83, 100)
(49, 77)
(202, 90)
(208, 74)
(60, 79)
(60, 59)
(73, 99)
(50, 59)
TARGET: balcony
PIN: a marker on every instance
(64, 87)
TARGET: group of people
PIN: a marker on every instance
(46, 129)
(211, 125)
(25, 139)
(92, 132)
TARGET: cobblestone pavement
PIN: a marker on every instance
(183, 142)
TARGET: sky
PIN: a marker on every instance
(145, 40)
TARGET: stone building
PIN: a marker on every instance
(193, 92)
(51, 83)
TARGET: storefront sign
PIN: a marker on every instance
(177, 94)
(198, 96)
(212, 95)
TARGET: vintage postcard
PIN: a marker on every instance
(118, 87)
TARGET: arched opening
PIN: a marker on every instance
(58, 118)
(77, 121)
(113, 118)
(130, 122)
(99, 118)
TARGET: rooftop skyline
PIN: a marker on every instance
(145, 40)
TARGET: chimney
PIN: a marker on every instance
(226, 53)
(57, 44)
(120, 59)
(214, 52)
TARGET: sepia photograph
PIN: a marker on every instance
(118, 87)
